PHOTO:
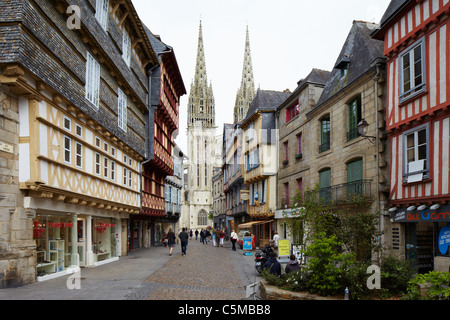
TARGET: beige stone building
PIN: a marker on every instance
(344, 160)
(295, 136)
(260, 158)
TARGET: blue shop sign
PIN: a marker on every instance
(444, 240)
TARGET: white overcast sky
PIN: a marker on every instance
(287, 38)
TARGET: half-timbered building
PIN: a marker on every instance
(79, 75)
(416, 38)
(162, 124)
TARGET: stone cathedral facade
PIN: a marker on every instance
(202, 147)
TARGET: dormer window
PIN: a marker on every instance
(343, 65)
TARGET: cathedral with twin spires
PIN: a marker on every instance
(203, 143)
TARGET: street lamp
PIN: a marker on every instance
(362, 130)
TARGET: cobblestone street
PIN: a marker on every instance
(205, 273)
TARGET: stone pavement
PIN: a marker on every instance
(205, 273)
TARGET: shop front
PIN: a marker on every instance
(261, 231)
(426, 236)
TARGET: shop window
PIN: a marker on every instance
(52, 235)
(103, 239)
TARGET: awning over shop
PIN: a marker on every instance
(253, 223)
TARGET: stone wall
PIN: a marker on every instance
(269, 292)
(17, 248)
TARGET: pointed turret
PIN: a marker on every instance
(246, 92)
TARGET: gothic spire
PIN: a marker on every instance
(201, 109)
(246, 92)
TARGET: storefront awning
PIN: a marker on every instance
(249, 224)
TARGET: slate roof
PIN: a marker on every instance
(360, 51)
(394, 7)
(266, 100)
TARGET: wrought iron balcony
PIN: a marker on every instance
(343, 193)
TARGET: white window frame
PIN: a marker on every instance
(69, 122)
(98, 142)
(113, 171)
(101, 13)
(426, 169)
(122, 110)
(130, 178)
(105, 167)
(125, 176)
(69, 150)
(126, 47)
(78, 155)
(77, 126)
(415, 88)
(98, 164)
(92, 80)
(251, 131)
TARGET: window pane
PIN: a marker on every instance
(422, 137)
(422, 152)
(410, 141)
(406, 73)
(411, 155)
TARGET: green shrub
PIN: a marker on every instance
(327, 266)
(395, 275)
(439, 286)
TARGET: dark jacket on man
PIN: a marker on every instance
(183, 236)
(274, 266)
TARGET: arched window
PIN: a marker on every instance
(202, 218)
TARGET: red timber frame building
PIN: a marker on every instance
(167, 87)
(417, 44)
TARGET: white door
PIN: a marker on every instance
(82, 241)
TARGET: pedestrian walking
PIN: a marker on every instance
(276, 237)
(234, 238)
(190, 234)
(213, 238)
(292, 265)
(202, 236)
(196, 234)
(222, 236)
(171, 240)
(184, 237)
(273, 265)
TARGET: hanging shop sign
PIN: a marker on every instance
(439, 215)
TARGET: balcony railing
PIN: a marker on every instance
(343, 193)
(325, 146)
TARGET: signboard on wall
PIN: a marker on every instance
(283, 248)
(441, 214)
(444, 240)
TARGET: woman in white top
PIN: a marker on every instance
(234, 238)
(276, 237)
